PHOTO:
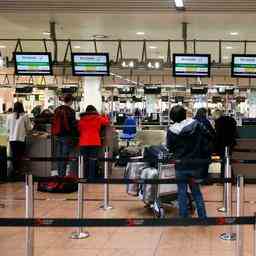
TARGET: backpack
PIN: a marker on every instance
(60, 121)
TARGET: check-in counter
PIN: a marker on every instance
(247, 140)
(40, 145)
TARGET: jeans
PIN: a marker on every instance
(183, 195)
(90, 155)
(64, 149)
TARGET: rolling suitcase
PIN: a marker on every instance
(133, 171)
(149, 191)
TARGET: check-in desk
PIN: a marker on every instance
(40, 145)
(247, 140)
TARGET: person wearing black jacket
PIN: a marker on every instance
(226, 134)
(188, 140)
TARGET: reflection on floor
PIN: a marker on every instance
(192, 241)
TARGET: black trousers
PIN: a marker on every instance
(17, 152)
(90, 155)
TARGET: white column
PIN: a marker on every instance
(92, 93)
(151, 103)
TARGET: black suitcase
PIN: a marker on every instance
(3, 163)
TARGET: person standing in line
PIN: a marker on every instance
(18, 126)
(188, 140)
(201, 117)
(90, 126)
(64, 128)
(226, 134)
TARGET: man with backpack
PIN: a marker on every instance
(64, 128)
(188, 140)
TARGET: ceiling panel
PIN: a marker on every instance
(60, 6)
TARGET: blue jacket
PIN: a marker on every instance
(129, 125)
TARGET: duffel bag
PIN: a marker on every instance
(58, 186)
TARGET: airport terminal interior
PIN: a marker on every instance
(88, 94)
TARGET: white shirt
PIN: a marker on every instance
(18, 128)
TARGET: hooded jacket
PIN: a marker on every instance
(89, 126)
(189, 142)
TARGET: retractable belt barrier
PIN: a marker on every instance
(114, 159)
(132, 181)
(134, 222)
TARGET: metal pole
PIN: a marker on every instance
(254, 236)
(106, 205)
(230, 236)
(29, 214)
(226, 175)
(239, 213)
(80, 234)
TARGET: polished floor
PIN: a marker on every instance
(171, 241)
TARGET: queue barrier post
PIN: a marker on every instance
(80, 234)
(254, 236)
(29, 214)
(229, 236)
(226, 175)
(239, 213)
(106, 206)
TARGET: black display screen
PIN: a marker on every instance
(191, 65)
(33, 63)
(90, 64)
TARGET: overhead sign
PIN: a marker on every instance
(90, 64)
(32, 63)
(243, 65)
(191, 65)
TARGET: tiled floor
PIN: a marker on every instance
(172, 241)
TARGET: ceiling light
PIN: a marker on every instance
(131, 64)
(179, 3)
(229, 47)
(157, 65)
(2, 46)
(99, 36)
(128, 63)
(140, 33)
(233, 33)
(225, 57)
(46, 33)
(161, 57)
(152, 47)
(77, 47)
(154, 63)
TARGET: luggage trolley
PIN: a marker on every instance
(158, 197)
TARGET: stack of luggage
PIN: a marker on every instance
(154, 164)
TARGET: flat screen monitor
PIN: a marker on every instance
(33, 63)
(243, 65)
(126, 90)
(198, 90)
(25, 89)
(152, 89)
(191, 65)
(90, 64)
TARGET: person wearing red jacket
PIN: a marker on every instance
(89, 126)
